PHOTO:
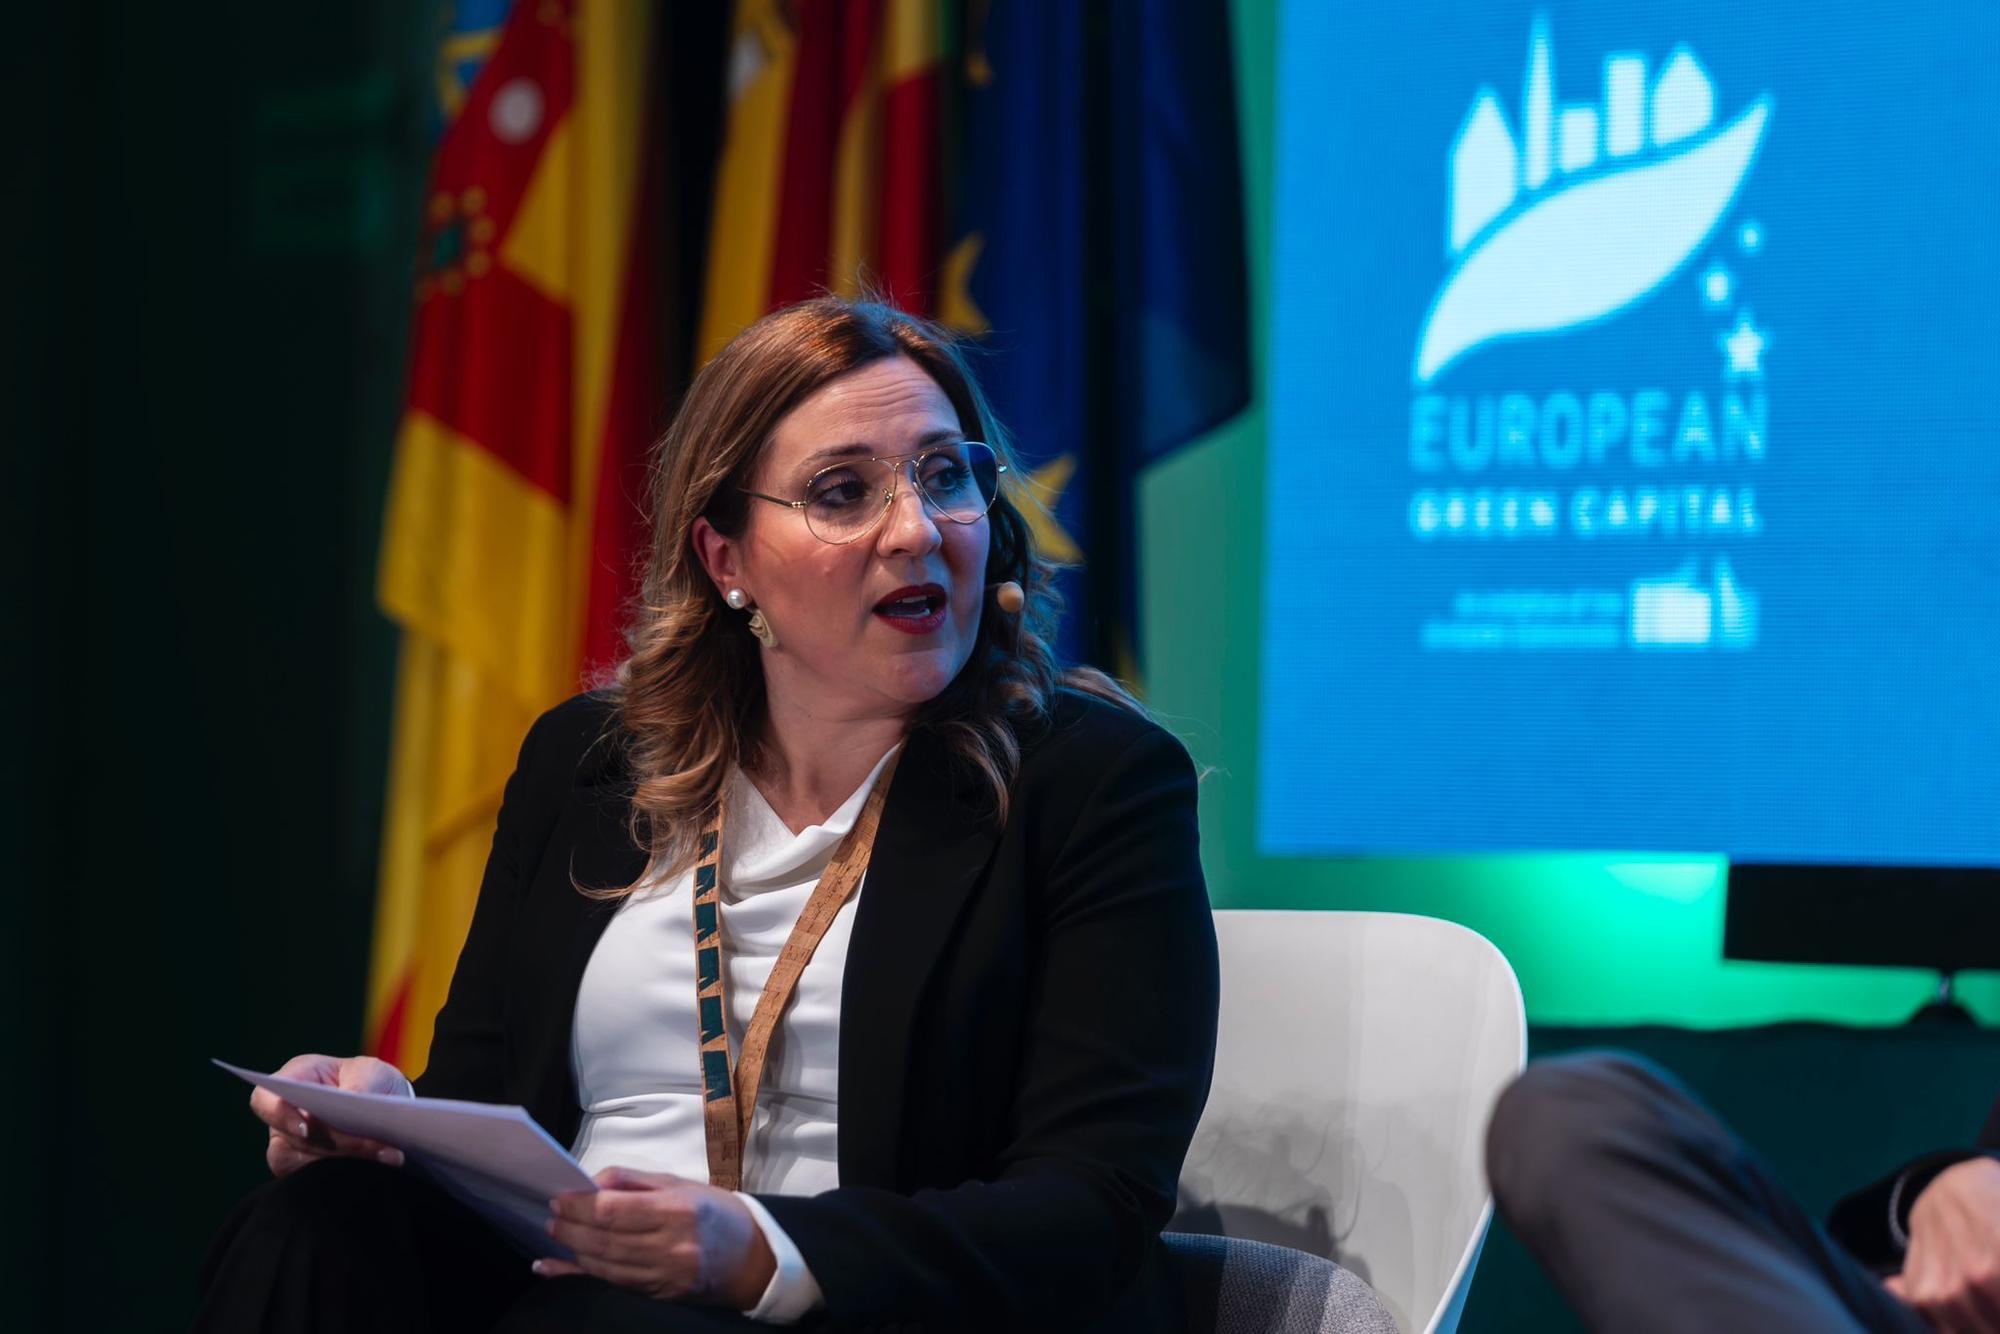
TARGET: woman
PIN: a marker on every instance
(977, 1094)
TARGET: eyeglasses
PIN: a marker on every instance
(846, 500)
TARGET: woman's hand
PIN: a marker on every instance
(297, 1139)
(665, 1236)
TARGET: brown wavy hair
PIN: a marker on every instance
(690, 695)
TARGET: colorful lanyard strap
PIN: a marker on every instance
(729, 1099)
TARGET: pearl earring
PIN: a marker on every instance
(761, 628)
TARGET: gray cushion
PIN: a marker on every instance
(1249, 1287)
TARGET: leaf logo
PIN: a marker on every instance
(1591, 212)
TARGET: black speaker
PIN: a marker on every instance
(1942, 917)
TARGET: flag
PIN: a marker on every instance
(1020, 270)
(830, 178)
(535, 385)
(1098, 253)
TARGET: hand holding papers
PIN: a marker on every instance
(494, 1159)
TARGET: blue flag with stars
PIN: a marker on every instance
(1099, 257)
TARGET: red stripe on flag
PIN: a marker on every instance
(619, 524)
(387, 1042)
(812, 130)
(861, 26)
(911, 197)
(836, 58)
(496, 369)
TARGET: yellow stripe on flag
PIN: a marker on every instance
(908, 43)
(451, 739)
(474, 559)
(475, 568)
(857, 189)
(763, 53)
(912, 39)
(539, 242)
(613, 41)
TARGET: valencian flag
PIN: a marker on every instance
(1098, 251)
(534, 389)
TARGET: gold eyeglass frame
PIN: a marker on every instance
(889, 496)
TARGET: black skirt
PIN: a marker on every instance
(346, 1244)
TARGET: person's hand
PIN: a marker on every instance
(1951, 1270)
(298, 1139)
(665, 1236)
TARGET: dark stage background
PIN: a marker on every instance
(211, 246)
(211, 252)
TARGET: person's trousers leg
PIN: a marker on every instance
(346, 1245)
(1652, 1216)
(580, 1304)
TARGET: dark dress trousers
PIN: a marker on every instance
(1653, 1218)
(1027, 1016)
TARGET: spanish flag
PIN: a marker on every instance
(832, 171)
(534, 389)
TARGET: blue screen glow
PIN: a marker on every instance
(1634, 463)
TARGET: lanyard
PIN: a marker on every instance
(729, 1102)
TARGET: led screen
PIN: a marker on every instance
(1634, 457)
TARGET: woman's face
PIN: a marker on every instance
(851, 641)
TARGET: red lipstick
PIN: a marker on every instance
(915, 609)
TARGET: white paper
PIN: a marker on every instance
(494, 1158)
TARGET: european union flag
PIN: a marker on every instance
(1100, 256)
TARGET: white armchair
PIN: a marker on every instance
(1358, 1059)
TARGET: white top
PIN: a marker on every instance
(635, 1045)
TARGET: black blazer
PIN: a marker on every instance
(1027, 1016)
